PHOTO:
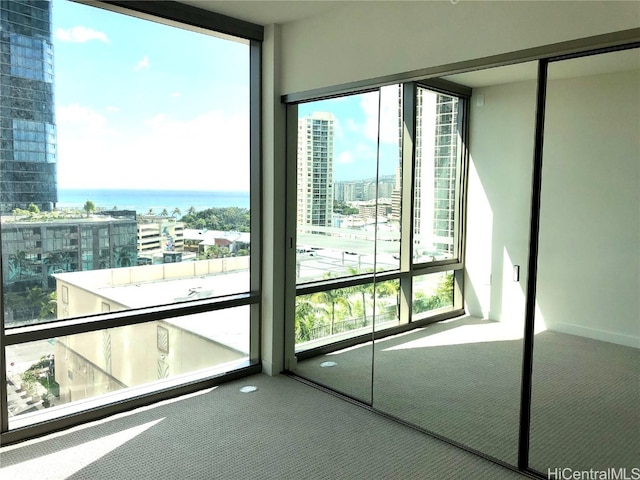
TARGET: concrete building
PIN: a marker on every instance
(315, 169)
(36, 248)
(159, 234)
(165, 348)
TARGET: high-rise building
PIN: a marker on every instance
(35, 250)
(27, 118)
(315, 169)
(435, 172)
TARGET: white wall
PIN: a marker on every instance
(589, 261)
(589, 257)
(501, 157)
(365, 40)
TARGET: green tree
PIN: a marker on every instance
(307, 319)
(89, 207)
(344, 208)
(19, 265)
(49, 308)
(29, 379)
(33, 209)
(387, 289)
(225, 219)
(176, 212)
(164, 212)
(444, 290)
(332, 298)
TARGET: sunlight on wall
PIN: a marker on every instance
(479, 238)
(513, 297)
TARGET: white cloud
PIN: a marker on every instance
(111, 108)
(80, 35)
(388, 115)
(144, 63)
(176, 94)
(345, 157)
(83, 119)
(207, 152)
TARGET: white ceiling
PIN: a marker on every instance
(265, 12)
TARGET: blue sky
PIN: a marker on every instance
(356, 136)
(142, 105)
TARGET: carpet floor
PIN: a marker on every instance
(283, 430)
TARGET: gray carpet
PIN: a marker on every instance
(284, 430)
(585, 404)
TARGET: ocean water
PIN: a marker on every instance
(143, 200)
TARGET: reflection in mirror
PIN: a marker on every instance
(437, 139)
(337, 169)
(586, 357)
(339, 183)
(460, 378)
(324, 319)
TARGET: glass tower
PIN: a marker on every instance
(27, 119)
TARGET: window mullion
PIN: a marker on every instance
(408, 184)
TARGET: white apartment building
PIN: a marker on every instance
(315, 169)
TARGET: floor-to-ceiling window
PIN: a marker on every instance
(378, 182)
(130, 200)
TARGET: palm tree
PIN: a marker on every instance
(49, 308)
(164, 212)
(54, 261)
(389, 288)
(89, 207)
(306, 319)
(332, 298)
(18, 265)
(176, 212)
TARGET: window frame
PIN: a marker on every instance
(209, 23)
(408, 269)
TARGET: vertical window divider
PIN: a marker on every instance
(255, 195)
(290, 237)
(4, 417)
(375, 247)
(462, 180)
(407, 202)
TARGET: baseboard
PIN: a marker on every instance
(595, 334)
(267, 367)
